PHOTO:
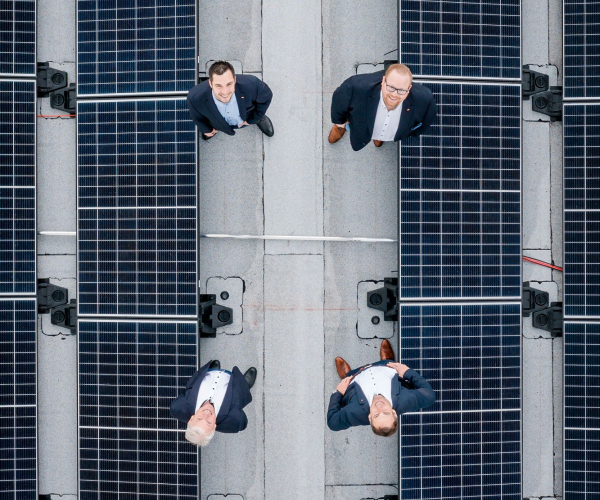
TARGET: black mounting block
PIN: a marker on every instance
(534, 82)
(385, 299)
(212, 315)
(49, 295)
(549, 103)
(65, 316)
(533, 300)
(65, 99)
(50, 79)
(550, 319)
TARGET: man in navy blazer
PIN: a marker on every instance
(382, 106)
(376, 394)
(213, 401)
(225, 102)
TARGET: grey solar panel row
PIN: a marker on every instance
(129, 445)
(460, 197)
(137, 208)
(468, 444)
(17, 38)
(131, 47)
(18, 397)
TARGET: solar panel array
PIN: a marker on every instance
(17, 38)
(581, 219)
(460, 197)
(17, 187)
(467, 445)
(137, 246)
(135, 47)
(137, 208)
(18, 414)
(461, 39)
(581, 63)
(459, 251)
(129, 373)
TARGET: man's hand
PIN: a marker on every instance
(214, 131)
(399, 367)
(243, 124)
(343, 385)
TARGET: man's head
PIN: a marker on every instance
(397, 78)
(202, 425)
(383, 418)
(221, 78)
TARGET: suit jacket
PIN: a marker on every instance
(356, 101)
(409, 393)
(253, 98)
(231, 418)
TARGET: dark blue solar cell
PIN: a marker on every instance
(479, 39)
(136, 49)
(17, 187)
(137, 208)
(581, 49)
(129, 373)
(18, 382)
(17, 38)
(460, 197)
(581, 402)
(582, 210)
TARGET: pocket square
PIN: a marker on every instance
(416, 126)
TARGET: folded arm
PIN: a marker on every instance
(262, 102)
(340, 103)
(337, 420)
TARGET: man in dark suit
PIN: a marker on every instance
(213, 401)
(376, 394)
(225, 102)
(382, 107)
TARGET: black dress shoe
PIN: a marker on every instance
(215, 365)
(250, 376)
(206, 138)
(266, 126)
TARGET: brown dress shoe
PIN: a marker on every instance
(386, 351)
(336, 134)
(377, 143)
(342, 367)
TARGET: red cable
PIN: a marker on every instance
(541, 263)
(56, 116)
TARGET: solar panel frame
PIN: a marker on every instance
(27, 44)
(464, 182)
(448, 451)
(436, 64)
(18, 174)
(579, 83)
(18, 399)
(121, 420)
(86, 82)
(581, 210)
(132, 216)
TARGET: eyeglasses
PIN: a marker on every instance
(394, 89)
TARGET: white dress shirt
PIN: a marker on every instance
(376, 380)
(213, 388)
(386, 122)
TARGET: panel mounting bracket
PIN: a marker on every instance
(54, 299)
(385, 299)
(533, 82)
(550, 319)
(65, 316)
(65, 99)
(533, 300)
(50, 79)
(549, 103)
(212, 315)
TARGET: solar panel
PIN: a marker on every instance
(468, 444)
(18, 373)
(130, 446)
(17, 38)
(581, 49)
(133, 47)
(17, 187)
(137, 214)
(460, 197)
(582, 210)
(582, 419)
(461, 39)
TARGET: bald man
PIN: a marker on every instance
(381, 106)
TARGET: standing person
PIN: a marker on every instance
(376, 394)
(225, 102)
(213, 401)
(382, 106)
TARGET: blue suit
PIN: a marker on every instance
(410, 393)
(231, 418)
(356, 101)
(253, 98)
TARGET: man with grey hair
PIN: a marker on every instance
(213, 401)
